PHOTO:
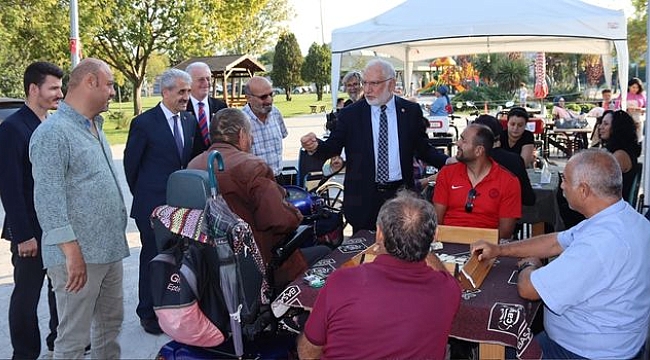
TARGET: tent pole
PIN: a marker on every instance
(646, 143)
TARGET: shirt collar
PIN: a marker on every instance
(168, 113)
(69, 112)
(390, 106)
(195, 101)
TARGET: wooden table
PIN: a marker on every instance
(546, 208)
(494, 316)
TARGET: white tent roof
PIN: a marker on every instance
(425, 29)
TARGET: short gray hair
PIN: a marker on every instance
(197, 65)
(352, 74)
(387, 69)
(408, 224)
(599, 169)
(169, 77)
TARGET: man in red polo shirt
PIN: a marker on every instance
(396, 307)
(477, 191)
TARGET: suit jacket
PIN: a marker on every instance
(150, 156)
(354, 132)
(16, 182)
(215, 105)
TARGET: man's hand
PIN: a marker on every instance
(535, 262)
(75, 266)
(485, 250)
(28, 248)
(309, 142)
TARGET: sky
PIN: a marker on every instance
(341, 13)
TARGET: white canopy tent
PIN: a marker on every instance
(424, 29)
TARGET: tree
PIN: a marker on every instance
(264, 22)
(510, 73)
(287, 63)
(637, 39)
(317, 67)
(126, 33)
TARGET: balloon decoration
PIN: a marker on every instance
(541, 88)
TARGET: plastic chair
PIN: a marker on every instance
(633, 197)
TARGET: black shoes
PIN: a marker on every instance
(151, 326)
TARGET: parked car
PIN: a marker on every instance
(278, 91)
(9, 106)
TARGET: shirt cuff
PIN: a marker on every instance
(59, 235)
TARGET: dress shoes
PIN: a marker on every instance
(151, 326)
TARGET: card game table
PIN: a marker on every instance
(495, 316)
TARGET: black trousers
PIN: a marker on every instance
(147, 253)
(380, 196)
(23, 306)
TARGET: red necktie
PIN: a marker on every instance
(203, 124)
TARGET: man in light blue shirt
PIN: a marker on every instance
(596, 291)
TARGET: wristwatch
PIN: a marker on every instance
(525, 265)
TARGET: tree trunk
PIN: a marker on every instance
(287, 93)
(137, 97)
(319, 92)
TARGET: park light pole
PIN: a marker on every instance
(74, 33)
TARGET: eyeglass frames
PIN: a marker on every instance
(374, 83)
(471, 195)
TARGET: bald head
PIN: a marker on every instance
(86, 67)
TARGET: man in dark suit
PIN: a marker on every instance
(379, 157)
(160, 142)
(201, 105)
(42, 83)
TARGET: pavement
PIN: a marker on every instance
(136, 344)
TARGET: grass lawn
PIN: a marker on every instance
(299, 105)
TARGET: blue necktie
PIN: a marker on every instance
(382, 148)
(178, 136)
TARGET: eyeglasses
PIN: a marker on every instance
(374, 83)
(469, 205)
(264, 97)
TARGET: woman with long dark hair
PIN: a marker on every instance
(618, 133)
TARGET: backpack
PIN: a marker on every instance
(186, 279)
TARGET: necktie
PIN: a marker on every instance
(203, 124)
(178, 136)
(382, 149)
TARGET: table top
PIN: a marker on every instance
(492, 314)
(571, 130)
(545, 208)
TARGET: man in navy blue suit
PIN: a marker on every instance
(42, 83)
(376, 168)
(201, 104)
(160, 142)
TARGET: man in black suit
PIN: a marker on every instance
(379, 157)
(201, 104)
(160, 142)
(42, 83)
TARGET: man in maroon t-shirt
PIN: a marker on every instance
(477, 191)
(394, 307)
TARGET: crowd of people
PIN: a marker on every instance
(66, 218)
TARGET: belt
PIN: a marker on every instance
(388, 186)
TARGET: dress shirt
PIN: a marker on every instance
(170, 121)
(206, 107)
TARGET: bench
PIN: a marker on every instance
(315, 108)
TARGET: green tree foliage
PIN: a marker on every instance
(637, 38)
(126, 33)
(510, 73)
(287, 63)
(317, 67)
(264, 21)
